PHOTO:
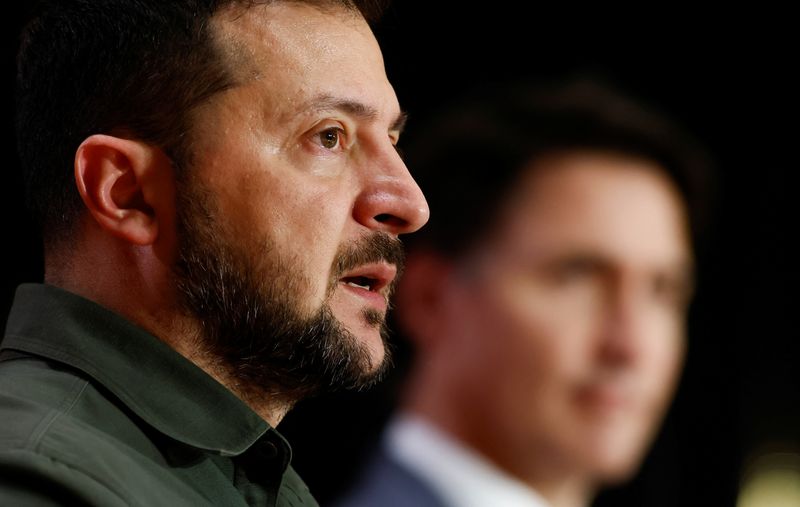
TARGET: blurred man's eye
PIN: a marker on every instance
(574, 269)
(674, 291)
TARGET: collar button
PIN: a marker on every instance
(267, 450)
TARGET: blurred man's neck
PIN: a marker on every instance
(428, 399)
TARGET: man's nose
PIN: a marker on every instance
(623, 328)
(390, 199)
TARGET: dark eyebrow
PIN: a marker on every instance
(683, 268)
(354, 108)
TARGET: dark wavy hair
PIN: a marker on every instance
(469, 156)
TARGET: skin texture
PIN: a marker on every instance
(298, 162)
(262, 153)
(555, 348)
(260, 149)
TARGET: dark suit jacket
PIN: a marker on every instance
(387, 483)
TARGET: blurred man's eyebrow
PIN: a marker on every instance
(683, 267)
(354, 108)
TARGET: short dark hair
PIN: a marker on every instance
(469, 156)
(127, 67)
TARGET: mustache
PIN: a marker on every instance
(375, 247)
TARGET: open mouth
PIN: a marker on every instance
(361, 282)
(372, 278)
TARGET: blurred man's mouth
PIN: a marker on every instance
(606, 398)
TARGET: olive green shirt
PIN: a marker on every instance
(96, 411)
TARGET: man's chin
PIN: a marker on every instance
(373, 342)
(616, 462)
(377, 353)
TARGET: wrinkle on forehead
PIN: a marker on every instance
(242, 30)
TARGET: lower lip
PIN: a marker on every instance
(373, 299)
(603, 399)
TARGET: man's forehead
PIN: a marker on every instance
(253, 34)
(307, 61)
(613, 211)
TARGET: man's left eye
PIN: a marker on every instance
(330, 138)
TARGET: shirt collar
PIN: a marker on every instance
(162, 387)
(458, 474)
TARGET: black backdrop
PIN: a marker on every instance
(726, 76)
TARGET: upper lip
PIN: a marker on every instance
(376, 276)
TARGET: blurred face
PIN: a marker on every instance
(294, 199)
(570, 319)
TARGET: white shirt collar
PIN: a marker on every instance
(459, 475)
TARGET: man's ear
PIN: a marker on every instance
(420, 296)
(127, 186)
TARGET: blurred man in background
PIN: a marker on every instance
(546, 300)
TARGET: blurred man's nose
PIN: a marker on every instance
(624, 325)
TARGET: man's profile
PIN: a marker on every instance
(220, 199)
(545, 300)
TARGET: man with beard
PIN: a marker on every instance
(220, 199)
(546, 300)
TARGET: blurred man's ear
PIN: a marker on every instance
(127, 186)
(420, 297)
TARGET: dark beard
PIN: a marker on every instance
(247, 306)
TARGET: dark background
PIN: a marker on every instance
(727, 77)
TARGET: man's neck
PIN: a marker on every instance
(269, 407)
(556, 482)
(156, 312)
